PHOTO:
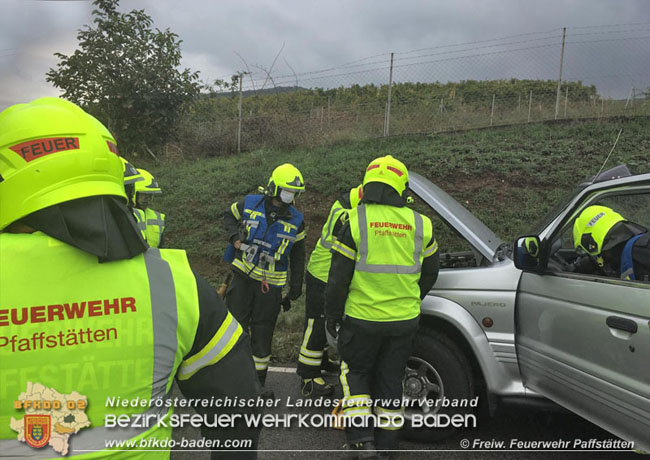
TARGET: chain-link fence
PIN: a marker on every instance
(560, 74)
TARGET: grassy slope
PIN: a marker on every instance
(508, 177)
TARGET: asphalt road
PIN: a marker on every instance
(510, 424)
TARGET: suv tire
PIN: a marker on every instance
(438, 363)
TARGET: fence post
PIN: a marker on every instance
(530, 104)
(629, 96)
(329, 118)
(519, 104)
(385, 116)
(559, 80)
(566, 99)
(241, 77)
(322, 112)
(390, 88)
(492, 112)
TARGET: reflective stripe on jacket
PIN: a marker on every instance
(155, 226)
(271, 243)
(141, 221)
(321, 257)
(111, 331)
(390, 247)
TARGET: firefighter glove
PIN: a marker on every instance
(286, 303)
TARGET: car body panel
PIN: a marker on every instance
(502, 378)
(483, 292)
(568, 353)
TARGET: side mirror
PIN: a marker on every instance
(530, 254)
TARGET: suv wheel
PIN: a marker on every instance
(437, 370)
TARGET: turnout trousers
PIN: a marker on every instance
(314, 342)
(373, 361)
(257, 312)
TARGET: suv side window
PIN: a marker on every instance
(633, 207)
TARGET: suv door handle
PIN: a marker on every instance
(624, 324)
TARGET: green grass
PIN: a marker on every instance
(509, 177)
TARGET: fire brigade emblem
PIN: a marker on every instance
(37, 430)
(51, 419)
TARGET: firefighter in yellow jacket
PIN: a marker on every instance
(313, 355)
(384, 262)
(154, 221)
(87, 310)
(131, 177)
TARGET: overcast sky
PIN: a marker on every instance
(327, 34)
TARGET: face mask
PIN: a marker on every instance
(286, 196)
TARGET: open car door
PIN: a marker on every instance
(582, 340)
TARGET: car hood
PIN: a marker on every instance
(460, 219)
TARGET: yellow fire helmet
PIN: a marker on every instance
(356, 194)
(592, 226)
(531, 246)
(51, 151)
(131, 174)
(287, 177)
(390, 171)
(148, 185)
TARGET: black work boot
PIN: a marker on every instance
(330, 366)
(315, 388)
(266, 393)
(362, 450)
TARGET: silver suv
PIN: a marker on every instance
(489, 328)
